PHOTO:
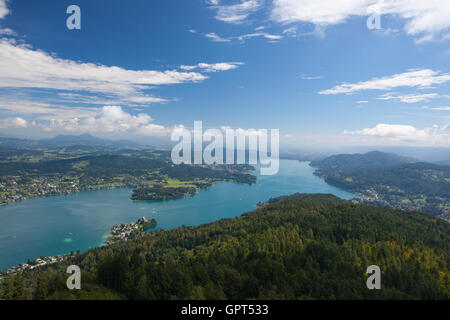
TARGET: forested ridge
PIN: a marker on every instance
(295, 247)
(345, 163)
(390, 180)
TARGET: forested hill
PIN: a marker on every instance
(445, 162)
(296, 247)
(390, 180)
(343, 163)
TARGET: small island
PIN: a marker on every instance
(128, 231)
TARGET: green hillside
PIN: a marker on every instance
(389, 180)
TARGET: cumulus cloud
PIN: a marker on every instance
(416, 78)
(109, 119)
(426, 18)
(113, 118)
(17, 122)
(322, 12)
(389, 133)
(214, 67)
(235, 13)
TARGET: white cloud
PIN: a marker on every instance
(4, 11)
(410, 98)
(249, 132)
(7, 32)
(132, 101)
(27, 68)
(23, 67)
(216, 38)
(425, 18)
(113, 118)
(441, 108)
(234, 13)
(17, 122)
(43, 111)
(142, 99)
(290, 31)
(319, 12)
(109, 119)
(214, 67)
(259, 34)
(362, 102)
(238, 131)
(153, 130)
(397, 134)
(417, 78)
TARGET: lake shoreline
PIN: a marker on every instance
(39, 226)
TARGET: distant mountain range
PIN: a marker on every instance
(61, 141)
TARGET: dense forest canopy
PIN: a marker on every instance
(296, 247)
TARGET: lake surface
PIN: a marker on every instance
(59, 224)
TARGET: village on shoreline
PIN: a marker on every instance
(128, 231)
(119, 232)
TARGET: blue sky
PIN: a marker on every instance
(312, 69)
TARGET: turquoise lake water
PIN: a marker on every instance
(59, 224)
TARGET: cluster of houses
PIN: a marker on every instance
(13, 189)
(36, 263)
(125, 231)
